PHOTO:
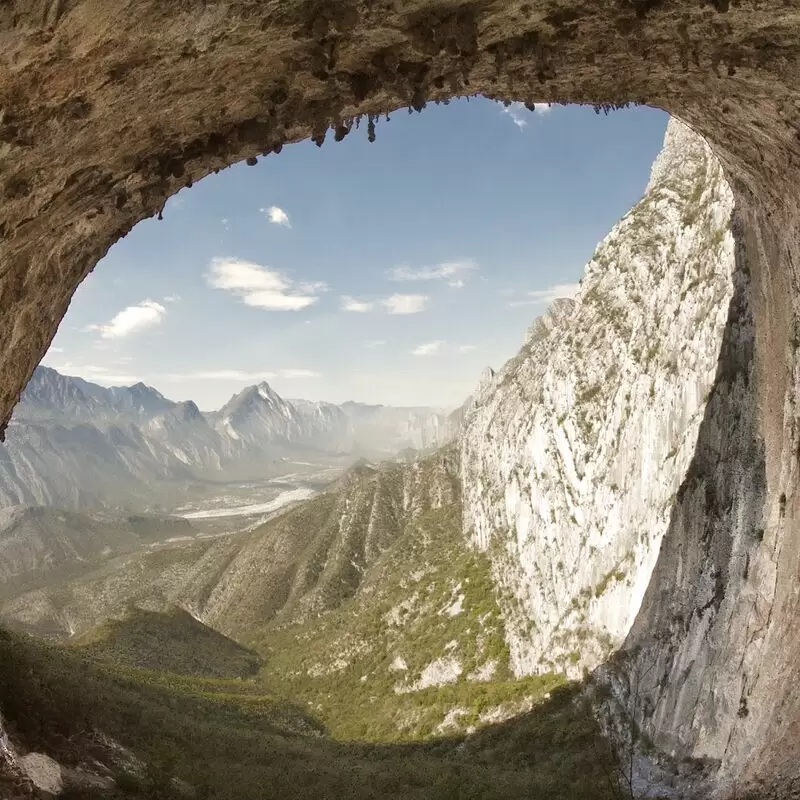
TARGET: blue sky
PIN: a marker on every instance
(389, 272)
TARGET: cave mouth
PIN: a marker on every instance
(77, 175)
(671, 251)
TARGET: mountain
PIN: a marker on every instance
(571, 455)
(260, 417)
(73, 444)
(50, 394)
(304, 561)
(573, 452)
(370, 587)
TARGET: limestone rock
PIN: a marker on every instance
(44, 772)
(571, 459)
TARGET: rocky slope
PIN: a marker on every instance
(77, 445)
(303, 562)
(574, 451)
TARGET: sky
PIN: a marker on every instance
(388, 272)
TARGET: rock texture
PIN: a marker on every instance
(43, 772)
(575, 450)
(108, 108)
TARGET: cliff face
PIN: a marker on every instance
(574, 451)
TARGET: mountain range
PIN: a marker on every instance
(75, 445)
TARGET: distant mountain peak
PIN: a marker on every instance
(266, 392)
(143, 388)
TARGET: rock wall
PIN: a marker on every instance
(575, 450)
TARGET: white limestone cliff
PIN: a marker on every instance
(573, 452)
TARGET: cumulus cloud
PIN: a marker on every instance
(95, 373)
(519, 112)
(405, 303)
(261, 287)
(298, 373)
(428, 349)
(240, 375)
(354, 304)
(131, 320)
(547, 295)
(456, 284)
(313, 286)
(452, 270)
(277, 216)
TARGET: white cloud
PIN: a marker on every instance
(547, 295)
(172, 298)
(429, 349)
(92, 372)
(225, 223)
(277, 216)
(240, 375)
(131, 319)
(375, 343)
(261, 287)
(448, 269)
(358, 306)
(456, 284)
(518, 112)
(55, 350)
(467, 348)
(405, 303)
(313, 286)
(220, 375)
(298, 373)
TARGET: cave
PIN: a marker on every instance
(109, 108)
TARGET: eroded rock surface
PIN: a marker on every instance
(107, 108)
(43, 772)
(574, 452)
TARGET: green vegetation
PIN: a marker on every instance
(590, 393)
(227, 742)
(169, 642)
(383, 644)
(428, 596)
(617, 575)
